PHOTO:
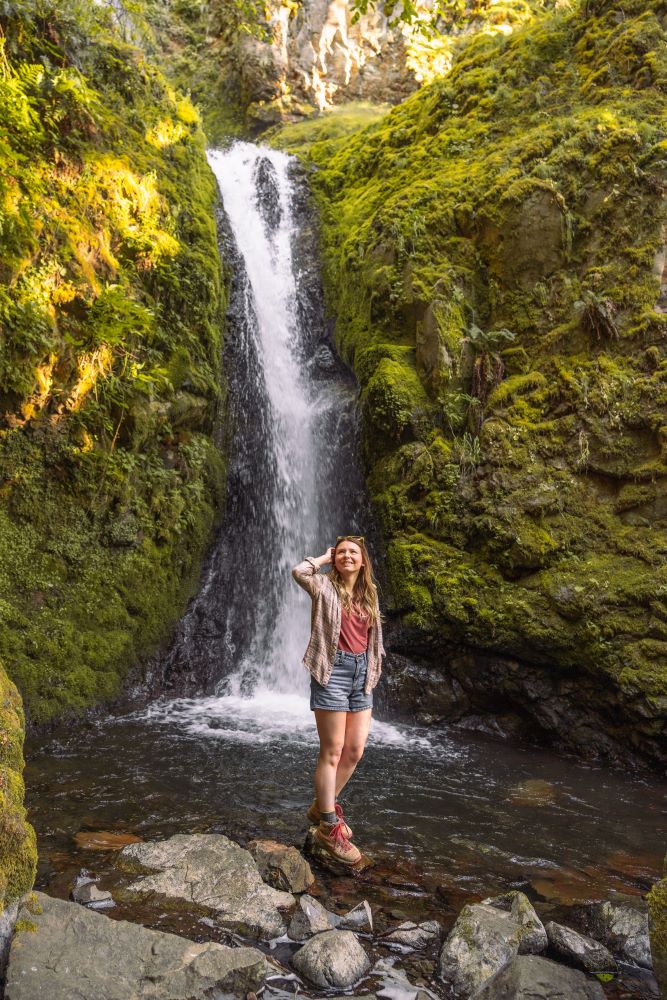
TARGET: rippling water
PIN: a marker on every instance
(471, 812)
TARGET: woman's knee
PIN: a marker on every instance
(353, 752)
(331, 753)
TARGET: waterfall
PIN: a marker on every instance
(294, 481)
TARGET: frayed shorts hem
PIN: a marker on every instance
(349, 711)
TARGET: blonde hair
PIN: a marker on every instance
(365, 593)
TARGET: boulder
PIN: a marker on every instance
(410, 935)
(210, 874)
(486, 937)
(531, 978)
(334, 958)
(359, 919)
(310, 918)
(579, 950)
(64, 950)
(281, 866)
(621, 923)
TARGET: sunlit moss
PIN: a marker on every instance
(111, 306)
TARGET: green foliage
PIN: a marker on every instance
(522, 192)
(111, 305)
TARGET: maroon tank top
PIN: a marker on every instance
(353, 632)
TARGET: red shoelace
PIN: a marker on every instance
(336, 835)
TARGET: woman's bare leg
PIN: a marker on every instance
(357, 726)
(331, 728)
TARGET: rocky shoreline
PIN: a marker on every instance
(256, 925)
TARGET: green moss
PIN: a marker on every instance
(111, 306)
(18, 849)
(530, 201)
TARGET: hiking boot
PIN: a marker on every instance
(331, 837)
(315, 816)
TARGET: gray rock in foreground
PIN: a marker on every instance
(411, 935)
(621, 924)
(531, 978)
(358, 919)
(486, 937)
(334, 958)
(66, 952)
(309, 918)
(577, 949)
(210, 874)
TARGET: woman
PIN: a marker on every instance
(344, 659)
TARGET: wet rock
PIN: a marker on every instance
(579, 950)
(281, 866)
(268, 193)
(208, 874)
(65, 950)
(622, 924)
(533, 792)
(531, 978)
(395, 982)
(358, 919)
(334, 958)
(104, 840)
(411, 935)
(88, 894)
(486, 937)
(309, 918)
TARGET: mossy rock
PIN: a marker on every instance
(657, 908)
(18, 846)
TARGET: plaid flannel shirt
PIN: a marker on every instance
(325, 620)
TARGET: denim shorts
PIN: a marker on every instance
(345, 690)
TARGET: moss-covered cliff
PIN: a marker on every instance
(492, 252)
(111, 301)
(18, 851)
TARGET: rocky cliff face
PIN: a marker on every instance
(318, 57)
(493, 254)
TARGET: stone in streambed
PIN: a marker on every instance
(486, 937)
(88, 894)
(359, 919)
(281, 866)
(531, 978)
(411, 935)
(579, 950)
(310, 918)
(334, 958)
(65, 950)
(104, 840)
(621, 923)
(208, 874)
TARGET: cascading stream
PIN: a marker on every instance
(293, 480)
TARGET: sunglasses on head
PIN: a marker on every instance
(349, 538)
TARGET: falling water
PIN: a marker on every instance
(293, 478)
